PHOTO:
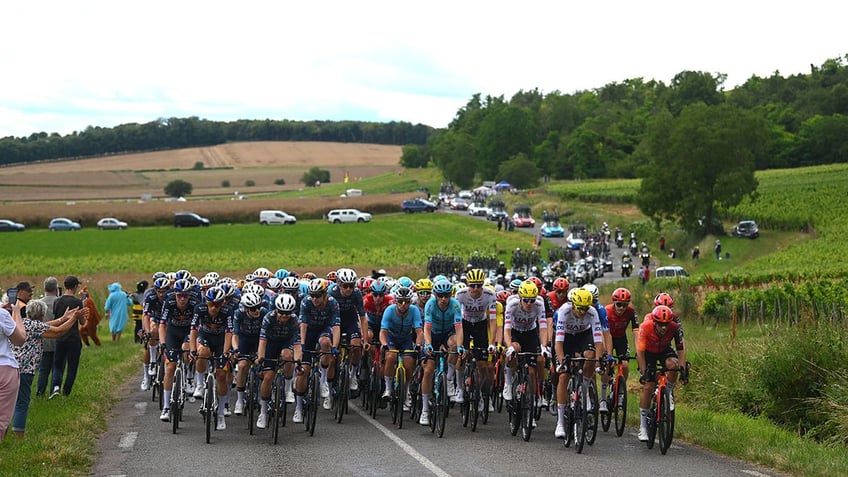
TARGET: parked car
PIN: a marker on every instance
(10, 226)
(673, 271)
(62, 223)
(111, 223)
(495, 213)
(458, 203)
(747, 229)
(189, 219)
(417, 205)
(479, 209)
(339, 216)
(552, 229)
(275, 217)
(522, 217)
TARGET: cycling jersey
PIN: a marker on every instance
(650, 342)
(246, 326)
(618, 323)
(518, 319)
(442, 321)
(556, 303)
(350, 307)
(207, 324)
(476, 310)
(568, 324)
(602, 315)
(373, 311)
(321, 319)
(152, 307)
(173, 316)
(274, 331)
(401, 326)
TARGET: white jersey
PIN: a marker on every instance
(516, 318)
(567, 323)
(477, 310)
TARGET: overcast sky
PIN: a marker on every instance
(66, 65)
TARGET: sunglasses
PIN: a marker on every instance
(443, 295)
(621, 304)
(346, 285)
(377, 294)
(403, 301)
(214, 304)
(660, 325)
(528, 300)
(284, 313)
(424, 293)
(318, 295)
(254, 308)
(475, 285)
(181, 295)
(582, 309)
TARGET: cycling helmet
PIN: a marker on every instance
(229, 289)
(308, 276)
(171, 276)
(281, 273)
(332, 276)
(346, 276)
(593, 289)
(581, 297)
(285, 303)
(290, 283)
(161, 283)
(528, 289)
(424, 285)
(250, 300)
(390, 282)
(158, 275)
(182, 286)
(206, 282)
(379, 286)
(439, 278)
(405, 282)
(536, 281)
(662, 314)
(182, 274)
(664, 299)
(404, 293)
(502, 296)
(514, 285)
(458, 286)
(215, 295)
(249, 277)
(475, 276)
(561, 283)
(317, 286)
(274, 284)
(213, 276)
(261, 273)
(241, 283)
(253, 288)
(621, 294)
(364, 284)
(625, 254)
(442, 287)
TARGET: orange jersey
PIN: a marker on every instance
(649, 341)
(618, 323)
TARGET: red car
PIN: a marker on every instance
(522, 217)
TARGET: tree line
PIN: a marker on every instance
(174, 133)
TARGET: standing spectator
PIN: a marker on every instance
(500, 223)
(116, 310)
(647, 277)
(11, 333)
(29, 354)
(24, 296)
(45, 366)
(696, 253)
(662, 242)
(137, 308)
(69, 345)
(89, 329)
(718, 249)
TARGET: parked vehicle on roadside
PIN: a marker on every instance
(61, 223)
(276, 217)
(111, 223)
(11, 226)
(341, 216)
(189, 219)
(417, 205)
(746, 229)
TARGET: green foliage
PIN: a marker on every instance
(520, 171)
(178, 188)
(225, 183)
(249, 183)
(314, 176)
(198, 166)
(413, 156)
(280, 181)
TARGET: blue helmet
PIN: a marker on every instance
(379, 286)
(442, 286)
(281, 273)
(405, 282)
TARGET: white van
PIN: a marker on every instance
(276, 217)
(353, 193)
(674, 271)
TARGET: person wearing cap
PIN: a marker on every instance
(24, 296)
(69, 345)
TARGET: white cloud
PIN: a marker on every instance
(68, 65)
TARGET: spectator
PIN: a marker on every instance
(662, 242)
(11, 333)
(116, 310)
(672, 254)
(24, 296)
(29, 354)
(45, 366)
(500, 223)
(696, 253)
(89, 329)
(137, 308)
(718, 249)
(69, 345)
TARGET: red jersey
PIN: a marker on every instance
(555, 301)
(650, 342)
(372, 310)
(618, 323)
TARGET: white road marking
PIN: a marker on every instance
(403, 445)
(128, 440)
(140, 407)
(755, 473)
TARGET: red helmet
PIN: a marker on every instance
(503, 295)
(536, 281)
(331, 275)
(561, 283)
(664, 299)
(621, 294)
(662, 314)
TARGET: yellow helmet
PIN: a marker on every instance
(528, 289)
(424, 285)
(475, 276)
(457, 287)
(581, 297)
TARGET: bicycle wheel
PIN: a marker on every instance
(402, 389)
(465, 405)
(513, 408)
(475, 400)
(442, 406)
(606, 417)
(580, 418)
(343, 392)
(434, 407)
(279, 401)
(314, 403)
(620, 405)
(176, 389)
(593, 415)
(415, 404)
(497, 388)
(528, 408)
(568, 417)
(251, 381)
(666, 424)
(652, 423)
(209, 412)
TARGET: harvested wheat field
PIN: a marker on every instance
(130, 176)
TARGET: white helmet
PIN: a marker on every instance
(250, 300)
(285, 303)
(346, 275)
(591, 288)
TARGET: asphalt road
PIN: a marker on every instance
(138, 444)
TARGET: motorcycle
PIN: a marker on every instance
(619, 240)
(626, 268)
(634, 247)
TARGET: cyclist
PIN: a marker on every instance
(320, 326)
(578, 333)
(442, 330)
(423, 290)
(653, 346)
(620, 313)
(525, 329)
(351, 316)
(211, 338)
(479, 324)
(247, 321)
(279, 338)
(375, 304)
(666, 300)
(291, 286)
(174, 328)
(400, 329)
(150, 314)
(603, 350)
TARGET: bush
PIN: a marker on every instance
(249, 183)
(225, 183)
(280, 181)
(178, 188)
(198, 166)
